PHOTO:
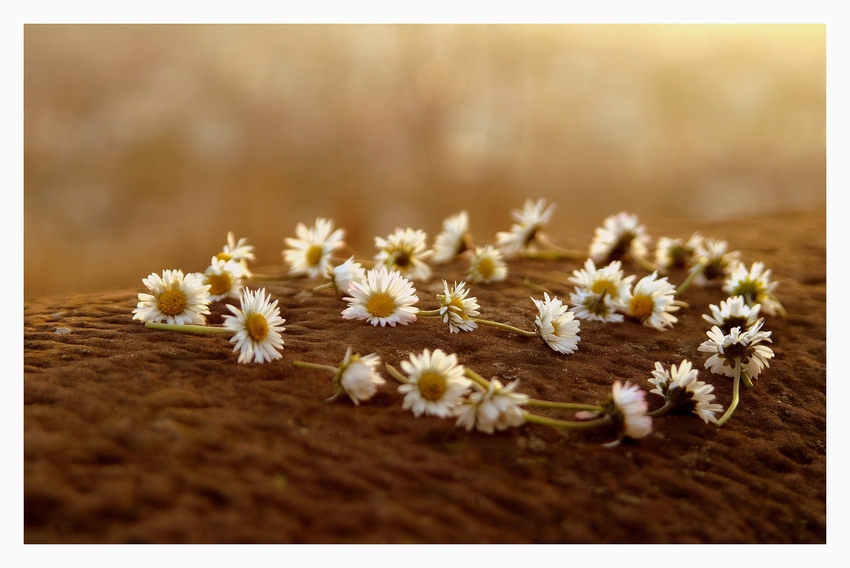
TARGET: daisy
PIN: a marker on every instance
(630, 411)
(556, 326)
(619, 234)
(681, 390)
(529, 221)
(456, 309)
(496, 408)
(713, 260)
(651, 302)
(754, 285)
(737, 349)
(676, 253)
(435, 383)
(256, 327)
(405, 252)
(310, 254)
(176, 299)
(487, 265)
(600, 292)
(382, 298)
(733, 312)
(454, 238)
(240, 251)
(224, 278)
(343, 275)
(358, 377)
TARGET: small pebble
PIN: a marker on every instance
(62, 330)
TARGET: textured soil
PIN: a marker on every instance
(140, 436)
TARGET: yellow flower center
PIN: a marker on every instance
(641, 306)
(432, 386)
(225, 256)
(456, 306)
(486, 268)
(380, 305)
(257, 327)
(605, 285)
(219, 283)
(172, 302)
(314, 255)
(751, 290)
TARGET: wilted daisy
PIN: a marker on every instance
(676, 253)
(224, 278)
(343, 275)
(310, 254)
(755, 286)
(619, 234)
(529, 221)
(404, 251)
(487, 266)
(682, 391)
(600, 292)
(240, 251)
(713, 260)
(435, 383)
(497, 408)
(651, 302)
(175, 299)
(456, 309)
(728, 350)
(382, 298)
(256, 327)
(454, 238)
(733, 312)
(556, 326)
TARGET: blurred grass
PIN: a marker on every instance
(144, 145)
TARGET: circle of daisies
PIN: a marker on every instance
(381, 291)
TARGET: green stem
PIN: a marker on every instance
(562, 405)
(700, 268)
(736, 389)
(537, 287)
(562, 252)
(325, 286)
(506, 327)
(477, 378)
(427, 313)
(186, 328)
(668, 406)
(564, 423)
(396, 375)
(647, 265)
(305, 365)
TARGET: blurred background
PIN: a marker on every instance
(145, 144)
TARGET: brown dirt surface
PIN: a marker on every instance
(140, 436)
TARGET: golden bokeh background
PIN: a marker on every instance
(145, 144)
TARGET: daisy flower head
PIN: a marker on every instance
(487, 266)
(436, 383)
(679, 386)
(358, 376)
(712, 253)
(676, 253)
(344, 274)
(729, 349)
(240, 251)
(629, 408)
(382, 298)
(594, 307)
(224, 278)
(404, 251)
(651, 302)
(256, 327)
(754, 285)
(453, 239)
(174, 298)
(310, 254)
(529, 221)
(456, 309)
(497, 408)
(619, 234)
(733, 312)
(556, 326)
(600, 292)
